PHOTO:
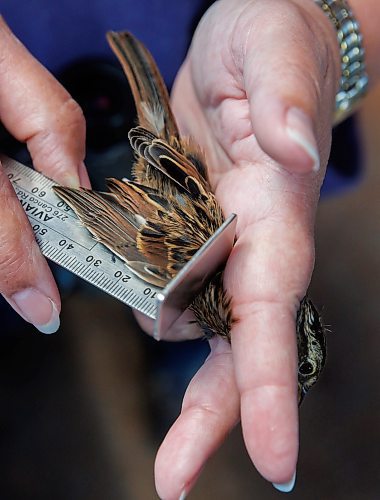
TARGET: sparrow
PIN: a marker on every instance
(156, 221)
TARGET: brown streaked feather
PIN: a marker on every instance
(179, 224)
(136, 198)
(171, 162)
(117, 229)
(148, 88)
(95, 211)
(154, 111)
(217, 300)
(92, 205)
(144, 228)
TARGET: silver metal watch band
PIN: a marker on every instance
(354, 79)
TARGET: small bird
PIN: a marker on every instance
(156, 222)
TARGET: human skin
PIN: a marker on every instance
(37, 110)
(249, 64)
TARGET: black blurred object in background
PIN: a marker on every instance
(101, 89)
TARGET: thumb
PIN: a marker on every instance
(291, 79)
(26, 281)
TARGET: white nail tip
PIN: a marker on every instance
(306, 146)
(183, 495)
(286, 487)
(53, 325)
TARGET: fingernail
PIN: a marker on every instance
(83, 176)
(37, 309)
(183, 495)
(300, 129)
(70, 180)
(286, 487)
(76, 180)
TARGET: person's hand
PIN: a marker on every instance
(257, 92)
(37, 110)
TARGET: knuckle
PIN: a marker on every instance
(15, 264)
(59, 146)
(71, 113)
(18, 250)
(5, 193)
(7, 196)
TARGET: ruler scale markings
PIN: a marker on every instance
(141, 302)
(71, 262)
(65, 260)
(53, 253)
(76, 268)
(81, 268)
(134, 301)
(105, 283)
(101, 283)
(109, 284)
(115, 287)
(45, 247)
(87, 273)
(61, 234)
(57, 254)
(124, 295)
(69, 259)
(65, 241)
(90, 274)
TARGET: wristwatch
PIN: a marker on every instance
(354, 79)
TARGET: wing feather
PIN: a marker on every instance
(121, 231)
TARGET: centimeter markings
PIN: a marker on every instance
(63, 240)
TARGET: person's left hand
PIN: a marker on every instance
(257, 92)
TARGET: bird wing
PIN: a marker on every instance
(121, 227)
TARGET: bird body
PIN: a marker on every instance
(156, 222)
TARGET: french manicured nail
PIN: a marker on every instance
(70, 180)
(300, 129)
(76, 180)
(183, 495)
(83, 176)
(286, 487)
(38, 309)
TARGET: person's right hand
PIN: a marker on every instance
(37, 110)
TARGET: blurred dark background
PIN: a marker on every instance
(84, 411)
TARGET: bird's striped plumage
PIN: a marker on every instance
(158, 220)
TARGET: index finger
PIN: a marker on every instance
(36, 109)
